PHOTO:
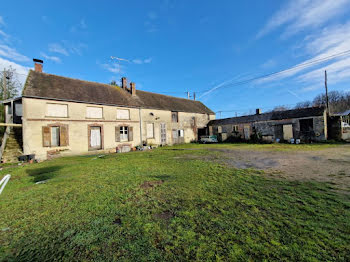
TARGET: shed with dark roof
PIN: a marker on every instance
(306, 124)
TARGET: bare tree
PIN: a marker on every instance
(303, 104)
(13, 85)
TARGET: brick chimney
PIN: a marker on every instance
(38, 65)
(132, 89)
(124, 83)
(258, 111)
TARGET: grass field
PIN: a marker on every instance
(162, 206)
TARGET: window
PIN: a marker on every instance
(18, 109)
(55, 135)
(219, 129)
(180, 133)
(9, 110)
(94, 112)
(123, 114)
(174, 117)
(150, 130)
(234, 128)
(57, 110)
(123, 134)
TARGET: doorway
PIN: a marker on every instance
(95, 138)
(162, 133)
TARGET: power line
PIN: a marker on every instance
(302, 65)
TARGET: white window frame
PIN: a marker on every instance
(124, 133)
(121, 116)
(94, 107)
(48, 113)
(180, 133)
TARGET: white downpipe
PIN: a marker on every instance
(4, 181)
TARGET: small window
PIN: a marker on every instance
(180, 133)
(150, 130)
(57, 110)
(55, 136)
(94, 112)
(219, 129)
(124, 134)
(123, 114)
(18, 109)
(234, 128)
(174, 117)
(9, 110)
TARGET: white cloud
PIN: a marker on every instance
(58, 48)
(269, 64)
(148, 60)
(329, 42)
(67, 48)
(113, 68)
(11, 53)
(78, 27)
(137, 61)
(152, 15)
(52, 58)
(2, 22)
(142, 61)
(298, 15)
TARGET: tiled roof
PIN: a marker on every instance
(48, 86)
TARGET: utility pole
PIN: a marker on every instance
(188, 95)
(4, 89)
(220, 113)
(194, 96)
(325, 84)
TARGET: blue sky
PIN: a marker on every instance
(178, 46)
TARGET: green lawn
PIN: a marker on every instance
(163, 206)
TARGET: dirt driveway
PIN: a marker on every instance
(330, 165)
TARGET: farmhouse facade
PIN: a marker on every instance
(306, 124)
(65, 116)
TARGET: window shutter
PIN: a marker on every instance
(131, 133)
(64, 135)
(117, 134)
(46, 136)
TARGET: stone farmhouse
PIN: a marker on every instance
(306, 124)
(59, 116)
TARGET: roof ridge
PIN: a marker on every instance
(71, 78)
(271, 112)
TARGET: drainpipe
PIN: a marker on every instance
(140, 118)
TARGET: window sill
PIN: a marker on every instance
(63, 117)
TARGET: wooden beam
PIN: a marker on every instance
(10, 124)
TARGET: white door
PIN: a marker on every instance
(163, 133)
(95, 137)
(246, 132)
(287, 132)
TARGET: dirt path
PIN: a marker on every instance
(327, 165)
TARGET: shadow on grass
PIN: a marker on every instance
(44, 173)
